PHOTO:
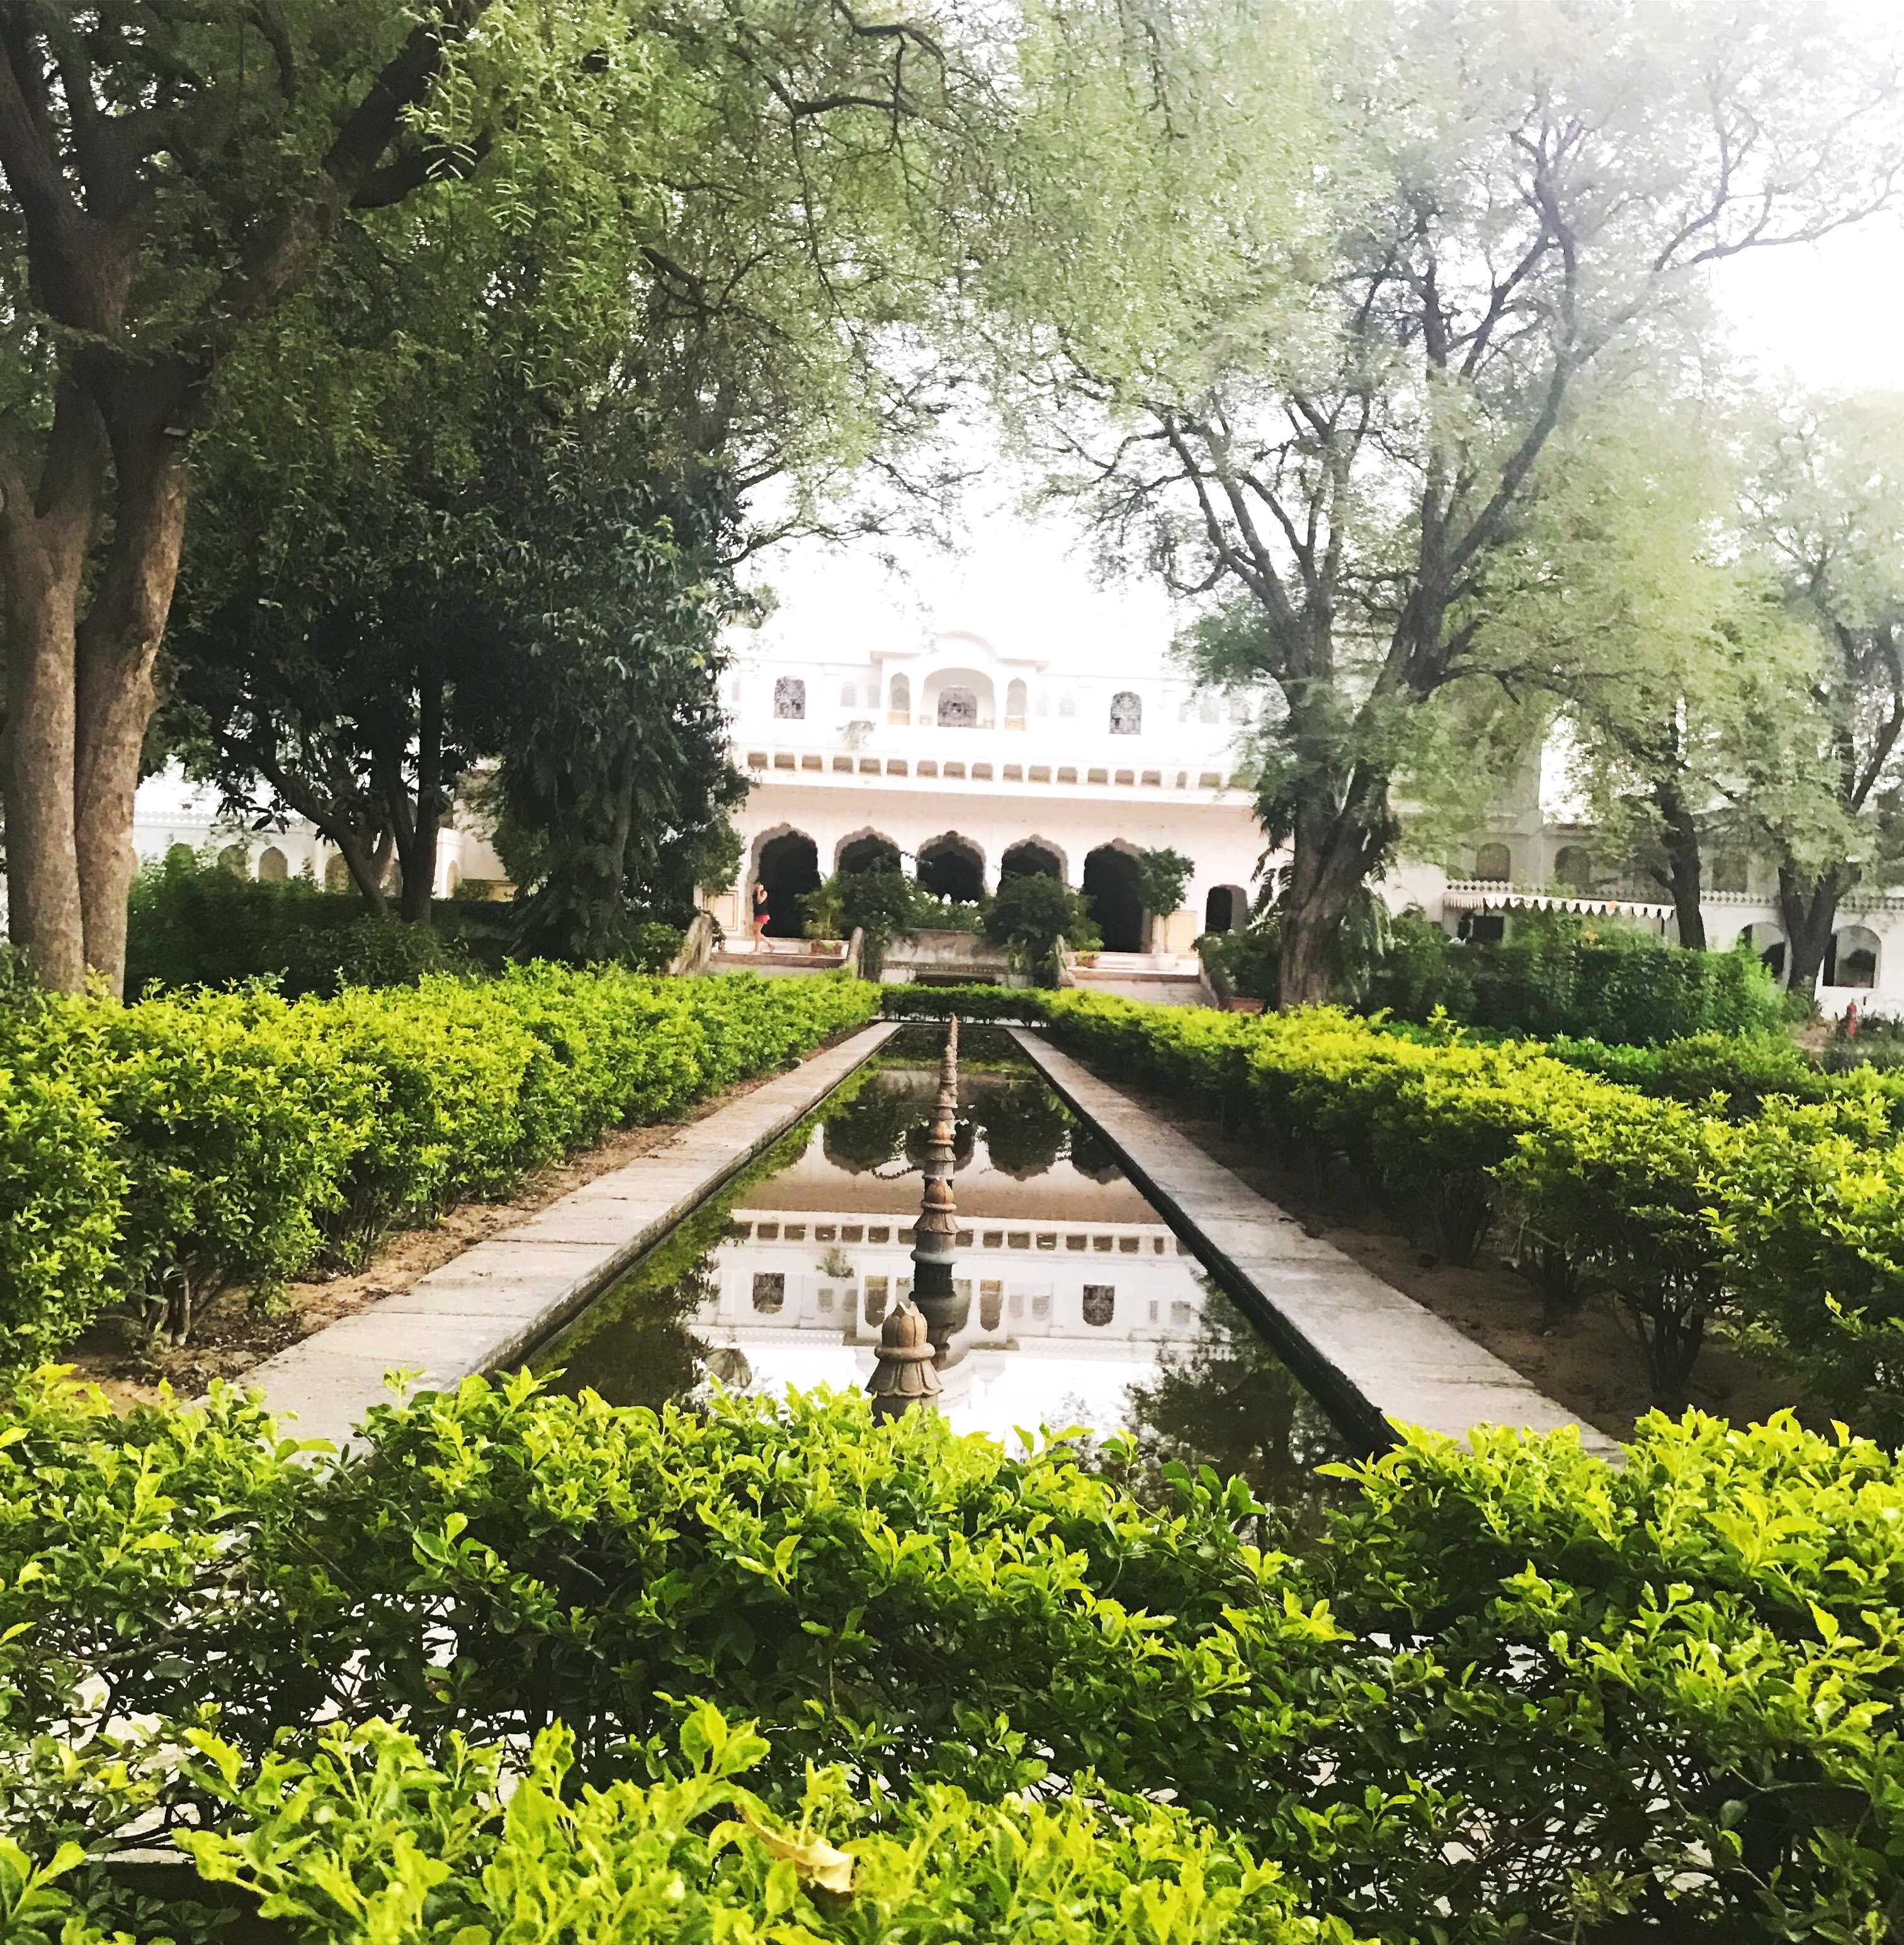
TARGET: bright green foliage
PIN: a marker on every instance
(370, 1841)
(60, 1186)
(173, 1148)
(913, 1002)
(1710, 1193)
(1497, 1695)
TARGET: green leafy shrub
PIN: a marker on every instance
(1030, 913)
(1494, 1694)
(191, 922)
(171, 1149)
(1421, 971)
(1246, 964)
(1559, 975)
(1684, 1209)
(348, 1844)
(62, 1188)
(914, 1000)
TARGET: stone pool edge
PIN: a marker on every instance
(489, 1306)
(1373, 1357)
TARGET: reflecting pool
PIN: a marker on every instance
(1076, 1305)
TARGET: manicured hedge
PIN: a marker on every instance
(161, 1153)
(1498, 1695)
(1564, 976)
(1787, 1221)
(911, 1001)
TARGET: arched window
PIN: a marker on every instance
(235, 859)
(1573, 867)
(848, 696)
(1238, 709)
(1226, 908)
(958, 707)
(273, 867)
(1852, 959)
(789, 699)
(1015, 698)
(899, 709)
(769, 1290)
(1493, 863)
(1126, 713)
(1729, 871)
(1067, 705)
(179, 857)
(1100, 1301)
(1766, 939)
(1030, 859)
(337, 875)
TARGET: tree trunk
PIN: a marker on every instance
(1680, 837)
(45, 917)
(1809, 906)
(47, 518)
(420, 853)
(1337, 842)
(118, 647)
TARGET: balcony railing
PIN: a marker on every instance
(991, 756)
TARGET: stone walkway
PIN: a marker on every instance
(1369, 1354)
(496, 1301)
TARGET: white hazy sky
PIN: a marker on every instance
(1829, 316)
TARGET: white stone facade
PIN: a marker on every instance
(172, 812)
(952, 751)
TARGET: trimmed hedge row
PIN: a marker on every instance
(1498, 1696)
(162, 1152)
(1789, 1221)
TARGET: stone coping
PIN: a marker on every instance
(1373, 1357)
(490, 1306)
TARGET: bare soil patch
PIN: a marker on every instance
(1587, 1362)
(229, 1337)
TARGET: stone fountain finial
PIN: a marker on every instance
(904, 1372)
(936, 1232)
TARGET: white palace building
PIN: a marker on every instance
(974, 762)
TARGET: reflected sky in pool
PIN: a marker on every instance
(1077, 1305)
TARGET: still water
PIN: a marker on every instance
(1078, 1306)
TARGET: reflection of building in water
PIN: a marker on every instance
(1071, 1287)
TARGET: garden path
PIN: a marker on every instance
(487, 1307)
(1370, 1354)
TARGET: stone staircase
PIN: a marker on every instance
(776, 958)
(1163, 979)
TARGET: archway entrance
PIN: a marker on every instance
(1852, 957)
(1031, 859)
(949, 867)
(789, 866)
(1225, 909)
(870, 853)
(1111, 891)
(1769, 942)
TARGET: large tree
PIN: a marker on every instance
(1312, 384)
(1629, 616)
(1825, 504)
(179, 183)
